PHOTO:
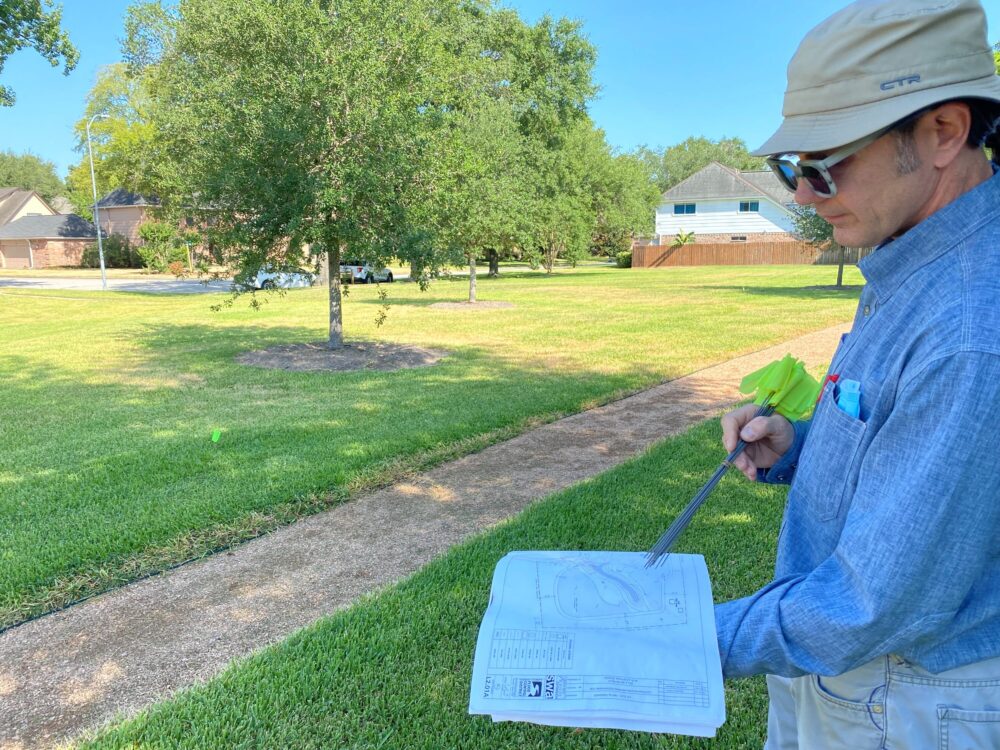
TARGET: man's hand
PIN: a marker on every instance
(767, 439)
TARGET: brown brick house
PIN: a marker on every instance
(122, 212)
(42, 241)
(35, 235)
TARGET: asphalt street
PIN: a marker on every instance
(153, 286)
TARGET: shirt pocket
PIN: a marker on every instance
(828, 466)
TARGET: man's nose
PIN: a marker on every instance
(804, 194)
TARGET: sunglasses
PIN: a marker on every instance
(817, 171)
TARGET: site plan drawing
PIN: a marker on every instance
(594, 639)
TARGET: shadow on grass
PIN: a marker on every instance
(795, 292)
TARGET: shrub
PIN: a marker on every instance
(624, 259)
(118, 253)
(161, 245)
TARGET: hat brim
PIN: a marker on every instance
(824, 131)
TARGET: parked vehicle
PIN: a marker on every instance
(359, 272)
(283, 277)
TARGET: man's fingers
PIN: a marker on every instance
(756, 429)
(745, 466)
(733, 423)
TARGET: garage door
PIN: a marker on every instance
(15, 254)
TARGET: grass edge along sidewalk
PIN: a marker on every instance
(393, 671)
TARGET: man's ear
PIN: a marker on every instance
(948, 129)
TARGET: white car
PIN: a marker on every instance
(285, 277)
(359, 272)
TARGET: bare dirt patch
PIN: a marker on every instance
(473, 305)
(317, 356)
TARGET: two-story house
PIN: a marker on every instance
(722, 205)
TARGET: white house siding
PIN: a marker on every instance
(723, 217)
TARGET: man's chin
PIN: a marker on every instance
(844, 237)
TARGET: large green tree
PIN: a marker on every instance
(624, 198)
(27, 23)
(479, 196)
(521, 90)
(123, 139)
(31, 173)
(298, 123)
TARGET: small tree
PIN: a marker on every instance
(818, 232)
(161, 245)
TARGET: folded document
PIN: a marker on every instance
(594, 639)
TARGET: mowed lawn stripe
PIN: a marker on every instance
(108, 470)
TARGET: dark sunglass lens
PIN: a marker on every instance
(816, 181)
(785, 173)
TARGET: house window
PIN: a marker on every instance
(737, 238)
(683, 208)
(749, 207)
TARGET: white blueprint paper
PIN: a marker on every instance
(593, 639)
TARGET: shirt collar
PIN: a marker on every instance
(893, 261)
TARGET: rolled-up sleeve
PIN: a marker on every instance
(918, 557)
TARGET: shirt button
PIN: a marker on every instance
(868, 309)
(877, 709)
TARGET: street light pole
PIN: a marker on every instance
(93, 184)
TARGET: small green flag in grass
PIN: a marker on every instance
(216, 435)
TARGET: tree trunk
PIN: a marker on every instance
(472, 277)
(840, 265)
(324, 269)
(414, 273)
(494, 257)
(336, 308)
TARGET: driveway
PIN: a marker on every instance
(152, 286)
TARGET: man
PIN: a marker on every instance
(881, 627)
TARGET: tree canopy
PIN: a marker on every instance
(428, 130)
(31, 173)
(26, 23)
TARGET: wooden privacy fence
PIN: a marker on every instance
(739, 254)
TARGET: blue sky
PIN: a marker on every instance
(667, 69)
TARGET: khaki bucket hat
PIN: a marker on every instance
(874, 63)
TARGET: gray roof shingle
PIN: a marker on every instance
(718, 181)
(12, 199)
(60, 226)
(121, 197)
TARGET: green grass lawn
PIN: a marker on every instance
(393, 671)
(108, 470)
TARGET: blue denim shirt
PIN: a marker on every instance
(890, 541)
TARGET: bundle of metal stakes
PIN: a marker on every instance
(784, 387)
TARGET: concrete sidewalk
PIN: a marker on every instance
(76, 669)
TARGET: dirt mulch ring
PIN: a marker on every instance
(472, 305)
(316, 357)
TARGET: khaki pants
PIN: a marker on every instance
(887, 703)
